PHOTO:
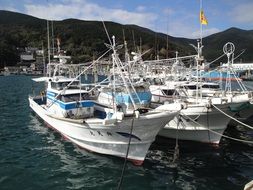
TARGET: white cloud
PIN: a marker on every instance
(184, 28)
(141, 8)
(177, 23)
(243, 13)
(52, 12)
(89, 11)
(185, 24)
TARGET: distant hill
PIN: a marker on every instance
(84, 40)
(242, 39)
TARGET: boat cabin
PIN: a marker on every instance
(122, 99)
(66, 98)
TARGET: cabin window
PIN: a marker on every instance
(140, 89)
(215, 86)
(74, 97)
(211, 86)
(191, 87)
(53, 85)
(59, 97)
(74, 85)
(56, 86)
(169, 92)
(157, 81)
(61, 85)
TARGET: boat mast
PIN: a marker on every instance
(116, 61)
(167, 41)
(52, 25)
(48, 42)
(135, 49)
(127, 57)
(44, 61)
(199, 56)
(58, 45)
(113, 73)
(140, 49)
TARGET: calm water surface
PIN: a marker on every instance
(35, 157)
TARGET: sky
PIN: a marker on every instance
(178, 18)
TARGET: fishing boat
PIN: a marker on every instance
(169, 90)
(201, 121)
(76, 113)
(206, 116)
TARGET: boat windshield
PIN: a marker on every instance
(191, 87)
(155, 81)
(61, 85)
(140, 89)
(74, 97)
(170, 92)
(212, 86)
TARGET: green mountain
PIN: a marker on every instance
(242, 39)
(84, 40)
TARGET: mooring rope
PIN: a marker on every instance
(225, 136)
(128, 147)
(228, 137)
(249, 87)
(207, 121)
(244, 124)
(176, 150)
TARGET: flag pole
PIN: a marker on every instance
(201, 27)
(199, 50)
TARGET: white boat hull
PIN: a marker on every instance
(199, 124)
(110, 138)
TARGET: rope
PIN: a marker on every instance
(225, 136)
(207, 121)
(249, 87)
(215, 60)
(98, 84)
(128, 147)
(235, 139)
(176, 151)
(106, 32)
(224, 55)
(239, 54)
(240, 83)
(232, 117)
(197, 117)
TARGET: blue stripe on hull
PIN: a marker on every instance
(50, 94)
(72, 105)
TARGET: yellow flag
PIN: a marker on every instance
(202, 18)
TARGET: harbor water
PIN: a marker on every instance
(33, 156)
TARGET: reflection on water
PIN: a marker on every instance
(81, 168)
